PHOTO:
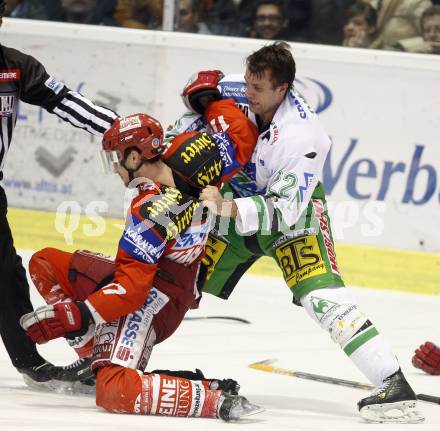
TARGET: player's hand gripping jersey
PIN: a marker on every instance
(280, 201)
(276, 185)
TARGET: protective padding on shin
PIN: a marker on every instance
(336, 312)
(49, 269)
(343, 322)
(124, 390)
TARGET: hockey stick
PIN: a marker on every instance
(267, 366)
(232, 318)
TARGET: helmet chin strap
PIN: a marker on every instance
(130, 171)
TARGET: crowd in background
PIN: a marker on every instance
(405, 25)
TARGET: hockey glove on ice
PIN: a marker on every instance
(201, 90)
(65, 319)
(427, 358)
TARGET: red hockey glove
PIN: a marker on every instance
(427, 358)
(65, 319)
(201, 90)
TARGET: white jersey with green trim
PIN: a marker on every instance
(276, 186)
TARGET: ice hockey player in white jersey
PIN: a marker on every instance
(276, 207)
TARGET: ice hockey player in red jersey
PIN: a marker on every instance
(155, 270)
(427, 358)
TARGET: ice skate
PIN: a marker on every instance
(38, 376)
(392, 402)
(228, 386)
(80, 370)
(76, 378)
(235, 407)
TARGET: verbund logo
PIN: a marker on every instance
(315, 92)
(367, 178)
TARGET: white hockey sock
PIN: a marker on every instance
(336, 311)
(375, 360)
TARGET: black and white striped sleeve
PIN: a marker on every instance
(41, 89)
(83, 113)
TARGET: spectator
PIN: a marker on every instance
(429, 42)
(188, 18)
(326, 21)
(140, 13)
(398, 19)
(33, 9)
(298, 12)
(88, 11)
(360, 25)
(220, 16)
(430, 24)
(269, 21)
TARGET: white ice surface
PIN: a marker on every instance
(225, 349)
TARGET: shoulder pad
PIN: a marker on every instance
(170, 211)
(196, 158)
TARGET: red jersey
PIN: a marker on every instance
(164, 228)
(167, 229)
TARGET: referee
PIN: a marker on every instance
(24, 78)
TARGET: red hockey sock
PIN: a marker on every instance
(124, 390)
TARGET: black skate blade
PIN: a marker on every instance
(59, 387)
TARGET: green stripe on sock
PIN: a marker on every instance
(361, 339)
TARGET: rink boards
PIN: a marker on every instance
(362, 266)
(380, 108)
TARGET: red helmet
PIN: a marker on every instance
(138, 131)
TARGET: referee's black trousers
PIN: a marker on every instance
(14, 297)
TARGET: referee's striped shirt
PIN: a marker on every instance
(23, 78)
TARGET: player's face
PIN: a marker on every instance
(132, 161)
(264, 98)
(122, 172)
